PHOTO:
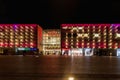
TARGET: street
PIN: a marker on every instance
(59, 67)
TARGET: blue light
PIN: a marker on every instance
(33, 49)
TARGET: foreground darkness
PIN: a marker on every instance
(52, 13)
(59, 68)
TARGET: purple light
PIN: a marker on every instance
(115, 24)
(15, 27)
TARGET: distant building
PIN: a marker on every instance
(51, 42)
(19, 38)
(90, 39)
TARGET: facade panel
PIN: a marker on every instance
(98, 39)
(51, 42)
(18, 38)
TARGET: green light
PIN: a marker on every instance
(27, 49)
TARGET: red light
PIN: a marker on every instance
(77, 44)
(26, 25)
(6, 24)
(85, 25)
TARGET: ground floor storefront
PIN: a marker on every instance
(69, 52)
(91, 52)
(52, 52)
(18, 51)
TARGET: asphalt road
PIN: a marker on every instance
(59, 68)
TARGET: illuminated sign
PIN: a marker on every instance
(80, 28)
(33, 49)
(118, 52)
(77, 52)
(27, 49)
(88, 52)
(21, 49)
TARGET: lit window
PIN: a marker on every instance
(99, 40)
(71, 46)
(26, 27)
(115, 47)
(96, 35)
(16, 43)
(85, 35)
(66, 43)
(93, 26)
(79, 35)
(11, 33)
(77, 40)
(31, 43)
(110, 33)
(31, 27)
(76, 43)
(21, 36)
(110, 44)
(66, 46)
(82, 43)
(64, 27)
(21, 40)
(16, 39)
(71, 43)
(117, 34)
(104, 33)
(80, 28)
(104, 40)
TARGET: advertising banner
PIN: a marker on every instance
(88, 52)
(118, 52)
(77, 52)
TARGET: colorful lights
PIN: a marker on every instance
(70, 25)
(51, 41)
(86, 34)
(15, 35)
(101, 36)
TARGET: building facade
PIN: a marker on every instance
(51, 42)
(19, 38)
(90, 39)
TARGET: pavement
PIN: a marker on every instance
(59, 67)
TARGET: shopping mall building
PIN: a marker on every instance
(71, 39)
(20, 38)
(90, 39)
(51, 42)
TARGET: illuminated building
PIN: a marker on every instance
(19, 38)
(114, 39)
(89, 39)
(51, 41)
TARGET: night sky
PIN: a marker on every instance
(52, 13)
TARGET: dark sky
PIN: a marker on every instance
(52, 13)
